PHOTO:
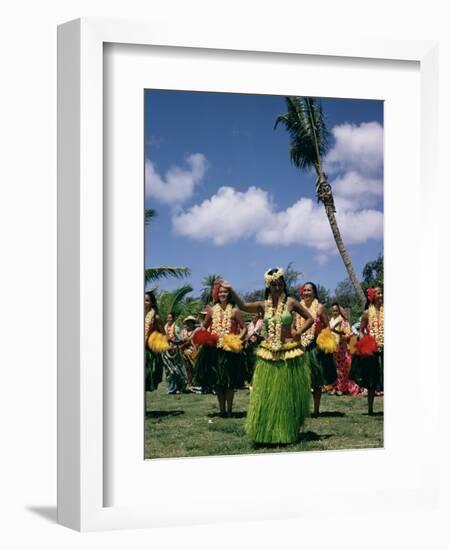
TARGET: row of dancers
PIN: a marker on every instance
(294, 351)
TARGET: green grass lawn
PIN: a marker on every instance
(189, 425)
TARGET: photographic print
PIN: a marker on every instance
(263, 274)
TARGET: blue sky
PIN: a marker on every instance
(229, 201)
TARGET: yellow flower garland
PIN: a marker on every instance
(148, 322)
(308, 336)
(274, 321)
(376, 324)
(221, 322)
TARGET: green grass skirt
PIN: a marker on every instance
(218, 369)
(322, 366)
(368, 372)
(153, 370)
(280, 400)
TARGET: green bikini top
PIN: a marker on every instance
(286, 318)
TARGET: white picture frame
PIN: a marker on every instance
(82, 401)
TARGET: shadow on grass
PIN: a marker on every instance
(305, 436)
(162, 414)
(233, 415)
(313, 436)
(331, 414)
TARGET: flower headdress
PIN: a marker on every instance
(276, 275)
(216, 290)
(301, 289)
(371, 292)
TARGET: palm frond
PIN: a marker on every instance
(150, 213)
(164, 272)
(309, 137)
(176, 296)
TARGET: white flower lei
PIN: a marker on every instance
(148, 321)
(274, 321)
(170, 330)
(308, 336)
(376, 324)
(221, 322)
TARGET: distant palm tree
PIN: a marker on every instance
(208, 283)
(153, 274)
(179, 303)
(309, 141)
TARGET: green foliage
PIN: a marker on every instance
(373, 273)
(153, 274)
(179, 303)
(344, 294)
(324, 295)
(309, 136)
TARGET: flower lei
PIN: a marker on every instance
(308, 336)
(376, 324)
(170, 330)
(221, 322)
(274, 321)
(148, 322)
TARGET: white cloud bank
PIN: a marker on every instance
(178, 184)
(357, 149)
(231, 215)
(355, 166)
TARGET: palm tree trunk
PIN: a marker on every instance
(324, 194)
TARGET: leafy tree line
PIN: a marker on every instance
(181, 302)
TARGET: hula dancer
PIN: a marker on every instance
(188, 348)
(172, 359)
(368, 360)
(155, 343)
(279, 401)
(322, 367)
(220, 364)
(341, 327)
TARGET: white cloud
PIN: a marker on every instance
(178, 184)
(358, 149)
(359, 190)
(230, 215)
(356, 163)
(227, 216)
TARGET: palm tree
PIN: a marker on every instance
(208, 286)
(164, 271)
(309, 141)
(177, 302)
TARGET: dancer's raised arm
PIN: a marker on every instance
(250, 307)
